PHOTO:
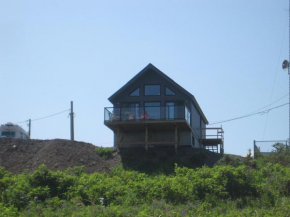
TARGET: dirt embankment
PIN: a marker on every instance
(17, 155)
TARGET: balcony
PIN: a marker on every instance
(156, 117)
(213, 139)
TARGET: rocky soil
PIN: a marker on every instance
(17, 155)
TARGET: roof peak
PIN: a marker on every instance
(155, 69)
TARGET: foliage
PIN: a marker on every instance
(247, 188)
(104, 152)
(281, 154)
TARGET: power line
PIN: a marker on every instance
(245, 116)
(269, 104)
(278, 66)
(264, 106)
(37, 119)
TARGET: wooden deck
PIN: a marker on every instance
(141, 125)
(214, 141)
(119, 127)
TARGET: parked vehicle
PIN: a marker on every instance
(11, 130)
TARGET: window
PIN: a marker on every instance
(192, 141)
(130, 111)
(152, 109)
(8, 134)
(152, 90)
(169, 92)
(170, 107)
(136, 92)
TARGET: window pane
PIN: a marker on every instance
(8, 134)
(152, 103)
(130, 111)
(169, 92)
(192, 141)
(152, 90)
(170, 110)
(153, 110)
(135, 92)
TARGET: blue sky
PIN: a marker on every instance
(228, 54)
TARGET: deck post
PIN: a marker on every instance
(146, 137)
(117, 139)
(176, 139)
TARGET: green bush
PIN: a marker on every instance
(227, 190)
(104, 152)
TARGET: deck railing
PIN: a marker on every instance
(147, 113)
(213, 139)
(213, 133)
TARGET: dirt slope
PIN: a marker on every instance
(17, 155)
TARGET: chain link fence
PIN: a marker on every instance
(266, 147)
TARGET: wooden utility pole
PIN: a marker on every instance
(29, 128)
(71, 121)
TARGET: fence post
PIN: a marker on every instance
(254, 149)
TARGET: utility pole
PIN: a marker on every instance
(29, 128)
(71, 121)
(286, 66)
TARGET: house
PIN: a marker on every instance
(13, 131)
(153, 110)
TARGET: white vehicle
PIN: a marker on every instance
(13, 131)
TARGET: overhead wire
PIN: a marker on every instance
(245, 116)
(260, 108)
(37, 119)
(278, 64)
(269, 104)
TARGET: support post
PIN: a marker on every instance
(117, 139)
(71, 121)
(289, 71)
(29, 128)
(176, 139)
(146, 137)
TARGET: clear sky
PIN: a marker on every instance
(228, 54)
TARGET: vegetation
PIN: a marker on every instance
(259, 187)
(104, 152)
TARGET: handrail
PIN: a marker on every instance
(179, 112)
(219, 133)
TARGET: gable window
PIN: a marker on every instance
(169, 92)
(152, 90)
(136, 92)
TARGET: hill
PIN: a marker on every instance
(18, 155)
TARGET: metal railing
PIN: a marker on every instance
(147, 113)
(213, 133)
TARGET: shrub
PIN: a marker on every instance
(104, 152)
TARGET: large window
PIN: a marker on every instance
(152, 90)
(130, 111)
(152, 110)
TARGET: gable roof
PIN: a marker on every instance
(150, 66)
